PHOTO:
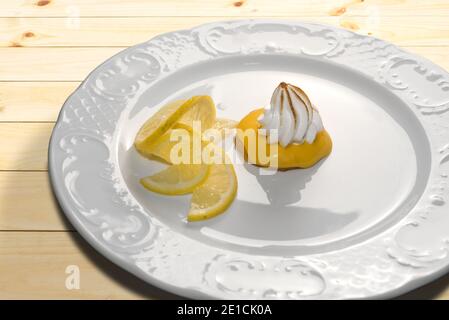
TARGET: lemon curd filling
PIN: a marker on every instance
(291, 124)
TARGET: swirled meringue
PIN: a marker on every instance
(292, 117)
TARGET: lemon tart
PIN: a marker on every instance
(290, 132)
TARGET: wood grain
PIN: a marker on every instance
(36, 263)
(51, 64)
(74, 64)
(244, 8)
(38, 32)
(27, 203)
(33, 101)
(24, 145)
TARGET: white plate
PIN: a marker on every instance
(369, 221)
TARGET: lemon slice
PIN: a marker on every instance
(161, 149)
(195, 108)
(176, 179)
(204, 111)
(215, 194)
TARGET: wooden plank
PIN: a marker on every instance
(74, 64)
(24, 145)
(125, 31)
(35, 264)
(438, 55)
(33, 101)
(67, 8)
(51, 64)
(27, 203)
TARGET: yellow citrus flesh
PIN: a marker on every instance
(195, 108)
(293, 156)
(204, 111)
(177, 179)
(162, 148)
(215, 194)
(160, 122)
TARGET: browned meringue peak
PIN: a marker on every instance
(291, 118)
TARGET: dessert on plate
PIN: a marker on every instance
(292, 124)
(291, 131)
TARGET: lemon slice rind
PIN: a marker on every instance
(221, 184)
(177, 179)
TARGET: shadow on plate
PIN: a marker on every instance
(271, 184)
(140, 287)
(282, 187)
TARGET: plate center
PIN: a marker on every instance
(376, 171)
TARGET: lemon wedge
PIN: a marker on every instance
(177, 179)
(183, 112)
(161, 149)
(203, 111)
(215, 194)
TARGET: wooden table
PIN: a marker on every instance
(48, 46)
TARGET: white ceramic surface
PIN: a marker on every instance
(370, 221)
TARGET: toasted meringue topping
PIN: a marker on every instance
(292, 117)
